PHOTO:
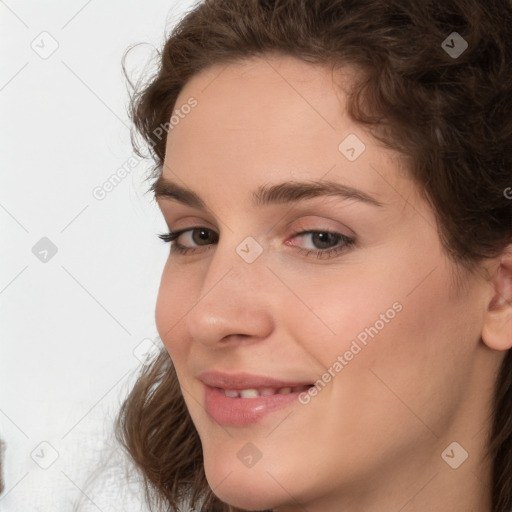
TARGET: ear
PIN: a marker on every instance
(497, 327)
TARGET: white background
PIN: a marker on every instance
(70, 324)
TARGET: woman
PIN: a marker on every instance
(337, 302)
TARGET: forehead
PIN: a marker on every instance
(262, 96)
(269, 119)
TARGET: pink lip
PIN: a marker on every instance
(243, 411)
(245, 381)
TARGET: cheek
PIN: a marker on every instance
(173, 302)
(331, 308)
(411, 375)
(406, 340)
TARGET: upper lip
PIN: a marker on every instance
(243, 380)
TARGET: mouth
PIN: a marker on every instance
(243, 399)
(265, 391)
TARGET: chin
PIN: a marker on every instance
(249, 489)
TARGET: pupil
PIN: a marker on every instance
(201, 235)
(324, 240)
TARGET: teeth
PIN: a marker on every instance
(254, 393)
(249, 393)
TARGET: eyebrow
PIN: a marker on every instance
(286, 192)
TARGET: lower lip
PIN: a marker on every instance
(243, 411)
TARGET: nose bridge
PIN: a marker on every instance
(234, 298)
(239, 263)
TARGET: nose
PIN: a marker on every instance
(235, 302)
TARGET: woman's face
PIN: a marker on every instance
(311, 259)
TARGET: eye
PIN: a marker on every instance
(322, 244)
(321, 239)
(189, 239)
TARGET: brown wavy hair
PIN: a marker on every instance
(451, 117)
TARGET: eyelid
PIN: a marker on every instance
(319, 223)
(187, 220)
(310, 223)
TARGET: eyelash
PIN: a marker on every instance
(319, 253)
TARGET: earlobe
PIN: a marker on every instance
(497, 328)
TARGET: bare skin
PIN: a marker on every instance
(375, 438)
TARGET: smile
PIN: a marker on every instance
(243, 399)
(266, 391)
